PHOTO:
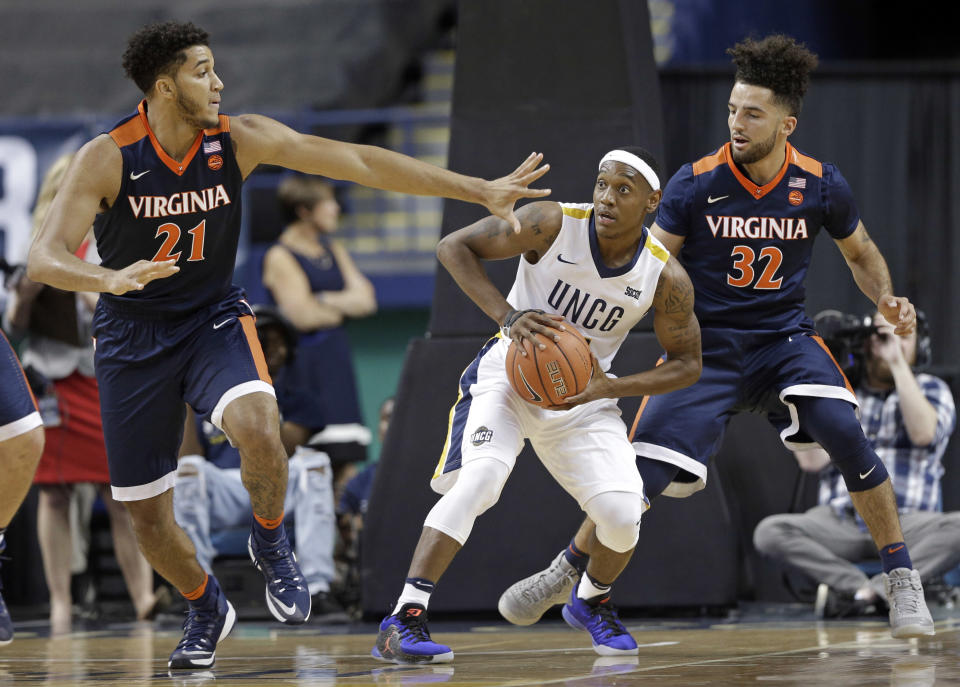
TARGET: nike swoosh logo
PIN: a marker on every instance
(289, 610)
(134, 177)
(864, 475)
(231, 319)
(711, 199)
(894, 550)
(533, 394)
(569, 262)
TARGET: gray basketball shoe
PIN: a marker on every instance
(525, 602)
(909, 616)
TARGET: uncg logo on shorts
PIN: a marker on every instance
(481, 436)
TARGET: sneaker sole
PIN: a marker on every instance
(4, 642)
(907, 631)
(439, 658)
(272, 604)
(228, 624)
(405, 659)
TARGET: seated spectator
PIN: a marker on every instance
(316, 285)
(908, 418)
(209, 495)
(57, 355)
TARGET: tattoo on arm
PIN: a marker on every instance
(677, 327)
(677, 298)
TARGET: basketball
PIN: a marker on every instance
(546, 377)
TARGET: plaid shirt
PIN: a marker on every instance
(914, 470)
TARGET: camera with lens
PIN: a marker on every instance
(845, 335)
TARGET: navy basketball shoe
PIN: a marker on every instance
(288, 597)
(599, 617)
(404, 638)
(6, 624)
(203, 629)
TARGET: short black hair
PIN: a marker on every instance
(777, 62)
(158, 49)
(646, 156)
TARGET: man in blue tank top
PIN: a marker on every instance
(163, 189)
(743, 220)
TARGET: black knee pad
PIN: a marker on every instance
(833, 424)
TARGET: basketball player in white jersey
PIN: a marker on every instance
(589, 266)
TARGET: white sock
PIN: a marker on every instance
(589, 589)
(412, 595)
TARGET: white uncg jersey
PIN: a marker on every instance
(570, 279)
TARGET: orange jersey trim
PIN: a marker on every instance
(224, 126)
(710, 162)
(807, 164)
(128, 133)
(752, 188)
(822, 345)
(250, 329)
(174, 166)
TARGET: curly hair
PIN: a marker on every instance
(158, 49)
(776, 62)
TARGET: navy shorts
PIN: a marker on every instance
(147, 367)
(743, 371)
(18, 409)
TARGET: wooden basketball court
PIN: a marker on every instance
(763, 646)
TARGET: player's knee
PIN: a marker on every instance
(253, 426)
(480, 484)
(22, 452)
(617, 516)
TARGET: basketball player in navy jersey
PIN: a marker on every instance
(163, 188)
(743, 221)
(21, 445)
(594, 267)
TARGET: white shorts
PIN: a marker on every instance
(586, 449)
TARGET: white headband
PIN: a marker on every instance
(635, 162)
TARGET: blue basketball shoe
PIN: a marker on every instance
(404, 638)
(203, 629)
(599, 618)
(288, 597)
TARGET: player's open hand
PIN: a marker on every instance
(501, 194)
(134, 277)
(899, 312)
(598, 387)
(534, 325)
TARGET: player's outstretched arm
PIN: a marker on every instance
(90, 185)
(261, 140)
(873, 277)
(492, 238)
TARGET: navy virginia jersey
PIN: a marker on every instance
(167, 210)
(747, 247)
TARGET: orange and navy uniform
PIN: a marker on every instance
(187, 211)
(187, 338)
(747, 247)
(18, 407)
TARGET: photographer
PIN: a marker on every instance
(908, 418)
